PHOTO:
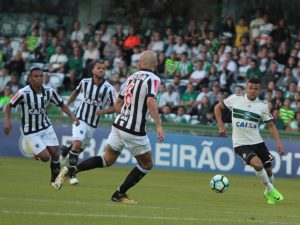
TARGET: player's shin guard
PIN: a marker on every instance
(91, 163)
(55, 168)
(133, 178)
(73, 158)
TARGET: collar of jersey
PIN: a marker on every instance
(144, 69)
(249, 99)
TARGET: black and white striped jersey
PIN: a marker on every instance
(134, 112)
(34, 107)
(94, 97)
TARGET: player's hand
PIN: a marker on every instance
(281, 149)
(6, 128)
(160, 133)
(99, 112)
(222, 131)
(75, 121)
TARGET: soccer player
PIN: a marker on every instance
(97, 95)
(136, 100)
(247, 112)
(36, 127)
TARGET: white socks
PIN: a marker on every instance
(265, 179)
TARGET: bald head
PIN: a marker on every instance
(148, 60)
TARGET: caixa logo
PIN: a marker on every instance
(245, 124)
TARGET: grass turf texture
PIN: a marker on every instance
(165, 197)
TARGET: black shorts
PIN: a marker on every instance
(247, 152)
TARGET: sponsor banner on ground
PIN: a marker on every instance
(177, 152)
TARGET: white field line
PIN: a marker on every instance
(184, 208)
(161, 218)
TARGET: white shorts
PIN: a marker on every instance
(84, 133)
(39, 141)
(136, 145)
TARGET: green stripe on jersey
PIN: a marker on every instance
(243, 112)
(241, 116)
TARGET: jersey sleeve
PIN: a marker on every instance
(153, 87)
(123, 90)
(111, 97)
(79, 87)
(16, 99)
(228, 102)
(266, 115)
(56, 99)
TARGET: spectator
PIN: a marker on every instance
(32, 39)
(171, 66)
(285, 80)
(5, 78)
(156, 45)
(277, 120)
(185, 66)
(89, 35)
(181, 117)
(282, 53)
(199, 76)
(14, 83)
(100, 45)
(286, 113)
(241, 29)
(203, 108)
(281, 32)
(229, 30)
(58, 61)
(17, 65)
(178, 86)
(111, 48)
(51, 49)
(64, 41)
(6, 49)
(255, 25)
(5, 99)
(120, 35)
(77, 33)
(188, 100)
(272, 74)
(253, 71)
(180, 47)
(91, 53)
(40, 52)
(75, 68)
(170, 98)
(294, 125)
(265, 30)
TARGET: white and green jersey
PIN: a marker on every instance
(246, 115)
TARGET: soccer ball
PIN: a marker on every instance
(219, 183)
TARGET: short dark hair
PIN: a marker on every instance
(34, 68)
(254, 80)
(100, 61)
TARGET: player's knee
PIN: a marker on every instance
(44, 158)
(147, 165)
(256, 164)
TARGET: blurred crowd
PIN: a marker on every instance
(198, 64)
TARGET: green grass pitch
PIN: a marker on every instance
(165, 197)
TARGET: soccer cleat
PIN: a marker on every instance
(74, 181)
(61, 178)
(122, 198)
(270, 199)
(276, 194)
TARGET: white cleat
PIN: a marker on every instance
(74, 181)
(60, 179)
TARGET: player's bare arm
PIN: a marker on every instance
(7, 126)
(72, 97)
(218, 113)
(118, 105)
(109, 110)
(67, 111)
(153, 110)
(273, 130)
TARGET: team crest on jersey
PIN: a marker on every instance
(247, 115)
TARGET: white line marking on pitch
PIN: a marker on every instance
(113, 216)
